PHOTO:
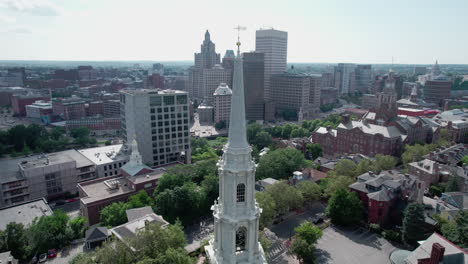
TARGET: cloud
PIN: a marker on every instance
(33, 7)
(6, 19)
(18, 31)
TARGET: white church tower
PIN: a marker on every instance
(236, 213)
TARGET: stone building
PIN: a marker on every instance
(222, 103)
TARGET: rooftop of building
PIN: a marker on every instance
(131, 228)
(223, 89)
(426, 165)
(24, 213)
(448, 155)
(106, 188)
(385, 131)
(152, 91)
(105, 154)
(452, 254)
(56, 158)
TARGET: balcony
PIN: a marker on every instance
(10, 187)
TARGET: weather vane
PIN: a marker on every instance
(239, 28)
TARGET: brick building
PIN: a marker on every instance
(328, 95)
(437, 90)
(381, 193)
(456, 122)
(359, 137)
(97, 125)
(111, 108)
(134, 176)
(95, 108)
(69, 108)
(19, 102)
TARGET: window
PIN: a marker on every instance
(168, 100)
(155, 100)
(181, 99)
(241, 238)
(241, 193)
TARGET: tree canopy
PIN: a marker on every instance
(280, 164)
(413, 223)
(345, 208)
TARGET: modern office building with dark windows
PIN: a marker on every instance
(159, 121)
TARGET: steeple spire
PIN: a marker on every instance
(237, 127)
(135, 157)
(207, 35)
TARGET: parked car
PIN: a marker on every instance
(51, 253)
(72, 200)
(43, 258)
(318, 219)
(60, 202)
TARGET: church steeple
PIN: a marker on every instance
(135, 157)
(207, 36)
(236, 213)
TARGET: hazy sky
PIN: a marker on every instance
(361, 31)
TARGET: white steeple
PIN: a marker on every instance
(135, 157)
(236, 213)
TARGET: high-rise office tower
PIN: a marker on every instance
(254, 64)
(236, 214)
(228, 60)
(206, 59)
(291, 93)
(222, 103)
(363, 77)
(212, 78)
(315, 91)
(274, 44)
(345, 77)
(159, 121)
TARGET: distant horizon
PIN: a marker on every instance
(191, 61)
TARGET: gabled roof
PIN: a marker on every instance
(134, 169)
(97, 233)
(136, 213)
(381, 196)
(385, 131)
(452, 253)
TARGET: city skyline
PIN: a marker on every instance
(416, 32)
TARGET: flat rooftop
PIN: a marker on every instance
(153, 91)
(57, 158)
(24, 213)
(104, 155)
(100, 189)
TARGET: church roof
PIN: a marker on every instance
(385, 131)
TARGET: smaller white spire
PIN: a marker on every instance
(135, 157)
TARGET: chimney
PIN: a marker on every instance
(437, 253)
(345, 119)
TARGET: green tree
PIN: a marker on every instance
(57, 132)
(49, 232)
(154, 240)
(181, 202)
(333, 183)
(80, 132)
(140, 199)
(345, 167)
(385, 162)
(16, 240)
(310, 191)
(414, 153)
(280, 163)
(220, 125)
(364, 166)
(465, 159)
(78, 227)
(175, 256)
(299, 132)
(268, 205)
(413, 223)
(461, 221)
(82, 258)
(306, 235)
(114, 214)
(262, 139)
(173, 178)
(252, 130)
(115, 252)
(210, 186)
(285, 196)
(314, 150)
(345, 208)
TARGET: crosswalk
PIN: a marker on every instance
(275, 250)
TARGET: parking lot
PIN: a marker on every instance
(358, 246)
